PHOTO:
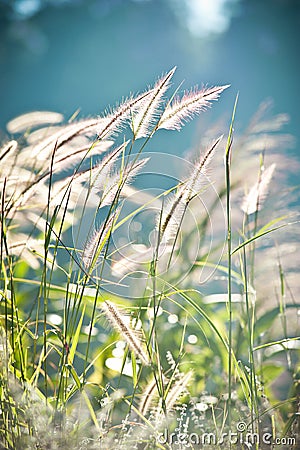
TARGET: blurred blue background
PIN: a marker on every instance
(63, 55)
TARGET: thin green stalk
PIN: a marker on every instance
(250, 311)
(16, 338)
(44, 291)
(229, 246)
(282, 308)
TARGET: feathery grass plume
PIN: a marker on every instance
(148, 396)
(64, 160)
(274, 124)
(117, 181)
(98, 174)
(192, 103)
(30, 120)
(168, 221)
(258, 133)
(259, 123)
(66, 134)
(100, 126)
(95, 176)
(102, 171)
(19, 181)
(95, 243)
(179, 388)
(173, 213)
(118, 118)
(198, 177)
(145, 117)
(172, 363)
(120, 323)
(254, 200)
(256, 142)
(39, 134)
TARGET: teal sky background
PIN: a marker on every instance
(90, 53)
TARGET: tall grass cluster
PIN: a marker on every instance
(147, 318)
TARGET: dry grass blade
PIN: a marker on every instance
(10, 147)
